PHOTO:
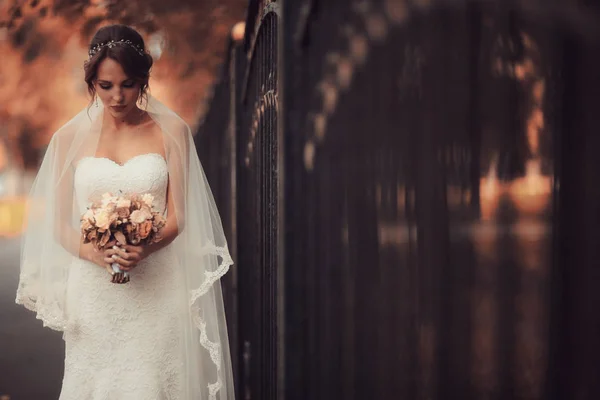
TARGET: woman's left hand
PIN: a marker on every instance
(128, 256)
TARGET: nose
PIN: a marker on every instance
(118, 96)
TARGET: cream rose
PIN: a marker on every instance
(123, 203)
(107, 198)
(139, 216)
(148, 199)
(103, 219)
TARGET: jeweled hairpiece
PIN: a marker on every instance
(113, 43)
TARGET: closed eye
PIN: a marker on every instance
(126, 84)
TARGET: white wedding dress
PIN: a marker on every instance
(121, 339)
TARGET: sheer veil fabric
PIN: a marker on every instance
(52, 240)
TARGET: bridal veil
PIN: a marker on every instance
(52, 239)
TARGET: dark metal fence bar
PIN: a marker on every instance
(575, 351)
(257, 212)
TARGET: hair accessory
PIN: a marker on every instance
(113, 43)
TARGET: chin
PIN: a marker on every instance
(120, 113)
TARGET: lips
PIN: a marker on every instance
(118, 108)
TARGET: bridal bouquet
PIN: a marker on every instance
(127, 219)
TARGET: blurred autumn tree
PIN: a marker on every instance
(44, 44)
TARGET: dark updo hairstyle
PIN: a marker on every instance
(137, 66)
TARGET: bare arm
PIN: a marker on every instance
(171, 229)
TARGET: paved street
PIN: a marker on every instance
(31, 357)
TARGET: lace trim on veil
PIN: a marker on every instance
(27, 295)
(213, 348)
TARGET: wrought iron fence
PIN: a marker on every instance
(439, 201)
(239, 140)
(257, 212)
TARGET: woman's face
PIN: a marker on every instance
(118, 92)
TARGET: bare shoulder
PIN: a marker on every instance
(173, 128)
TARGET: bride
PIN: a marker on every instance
(161, 334)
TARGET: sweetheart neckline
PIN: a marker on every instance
(126, 162)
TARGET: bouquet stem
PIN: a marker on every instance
(117, 270)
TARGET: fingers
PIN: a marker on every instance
(126, 261)
(108, 256)
(123, 265)
(129, 252)
(109, 260)
(121, 253)
(126, 256)
(111, 256)
(132, 249)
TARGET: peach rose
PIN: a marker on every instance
(86, 225)
(123, 212)
(144, 229)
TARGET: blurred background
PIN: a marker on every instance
(43, 44)
(409, 187)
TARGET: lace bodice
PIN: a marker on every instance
(145, 173)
